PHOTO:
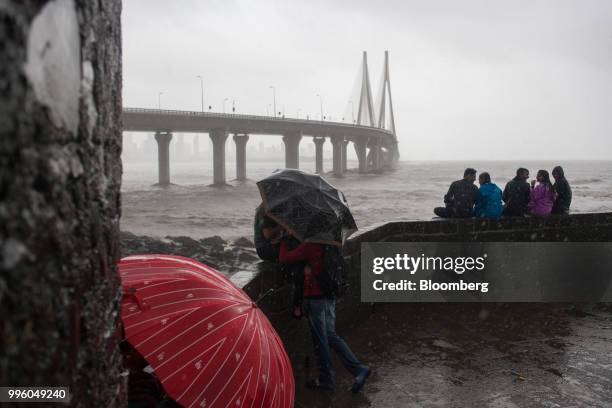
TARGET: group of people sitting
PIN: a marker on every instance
(519, 198)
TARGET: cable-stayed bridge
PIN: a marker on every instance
(372, 133)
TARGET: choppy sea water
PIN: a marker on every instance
(193, 208)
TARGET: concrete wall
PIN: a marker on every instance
(350, 310)
(60, 173)
(576, 227)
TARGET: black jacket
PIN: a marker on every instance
(563, 198)
(265, 249)
(516, 196)
(460, 198)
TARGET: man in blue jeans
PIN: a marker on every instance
(321, 313)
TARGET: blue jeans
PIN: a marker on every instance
(321, 314)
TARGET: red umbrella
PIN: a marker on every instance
(206, 340)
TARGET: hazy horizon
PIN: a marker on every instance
(471, 80)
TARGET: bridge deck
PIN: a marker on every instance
(151, 120)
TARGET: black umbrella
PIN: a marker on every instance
(307, 206)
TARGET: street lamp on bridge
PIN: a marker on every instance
(298, 113)
(321, 103)
(201, 91)
(224, 100)
(159, 100)
(352, 111)
(274, 98)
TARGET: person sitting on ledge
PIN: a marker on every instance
(516, 194)
(489, 198)
(542, 196)
(563, 192)
(460, 197)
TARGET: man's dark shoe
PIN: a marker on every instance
(360, 379)
(318, 385)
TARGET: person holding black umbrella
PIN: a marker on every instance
(317, 214)
(320, 309)
(267, 235)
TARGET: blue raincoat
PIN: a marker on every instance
(489, 201)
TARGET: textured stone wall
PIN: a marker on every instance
(576, 227)
(60, 173)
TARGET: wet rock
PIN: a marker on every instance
(214, 241)
(212, 251)
(247, 257)
(244, 242)
(187, 242)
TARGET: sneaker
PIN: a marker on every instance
(318, 385)
(360, 379)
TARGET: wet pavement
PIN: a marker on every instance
(506, 355)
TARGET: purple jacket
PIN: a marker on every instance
(541, 200)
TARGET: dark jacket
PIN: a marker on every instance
(516, 197)
(460, 198)
(563, 193)
(265, 249)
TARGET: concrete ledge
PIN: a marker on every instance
(589, 227)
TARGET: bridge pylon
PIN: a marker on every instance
(384, 94)
(385, 154)
(386, 118)
(365, 111)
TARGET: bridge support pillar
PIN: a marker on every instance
(344, 155)
(292, 149)
(218, 138)
(241, 141)
(376, 155)
(163, 157)
(361, 150)
(319, 141)
(337, 145)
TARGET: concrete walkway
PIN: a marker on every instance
(445, 355)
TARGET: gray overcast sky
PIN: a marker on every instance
(478, 79)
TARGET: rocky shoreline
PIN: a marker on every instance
(227, 257)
